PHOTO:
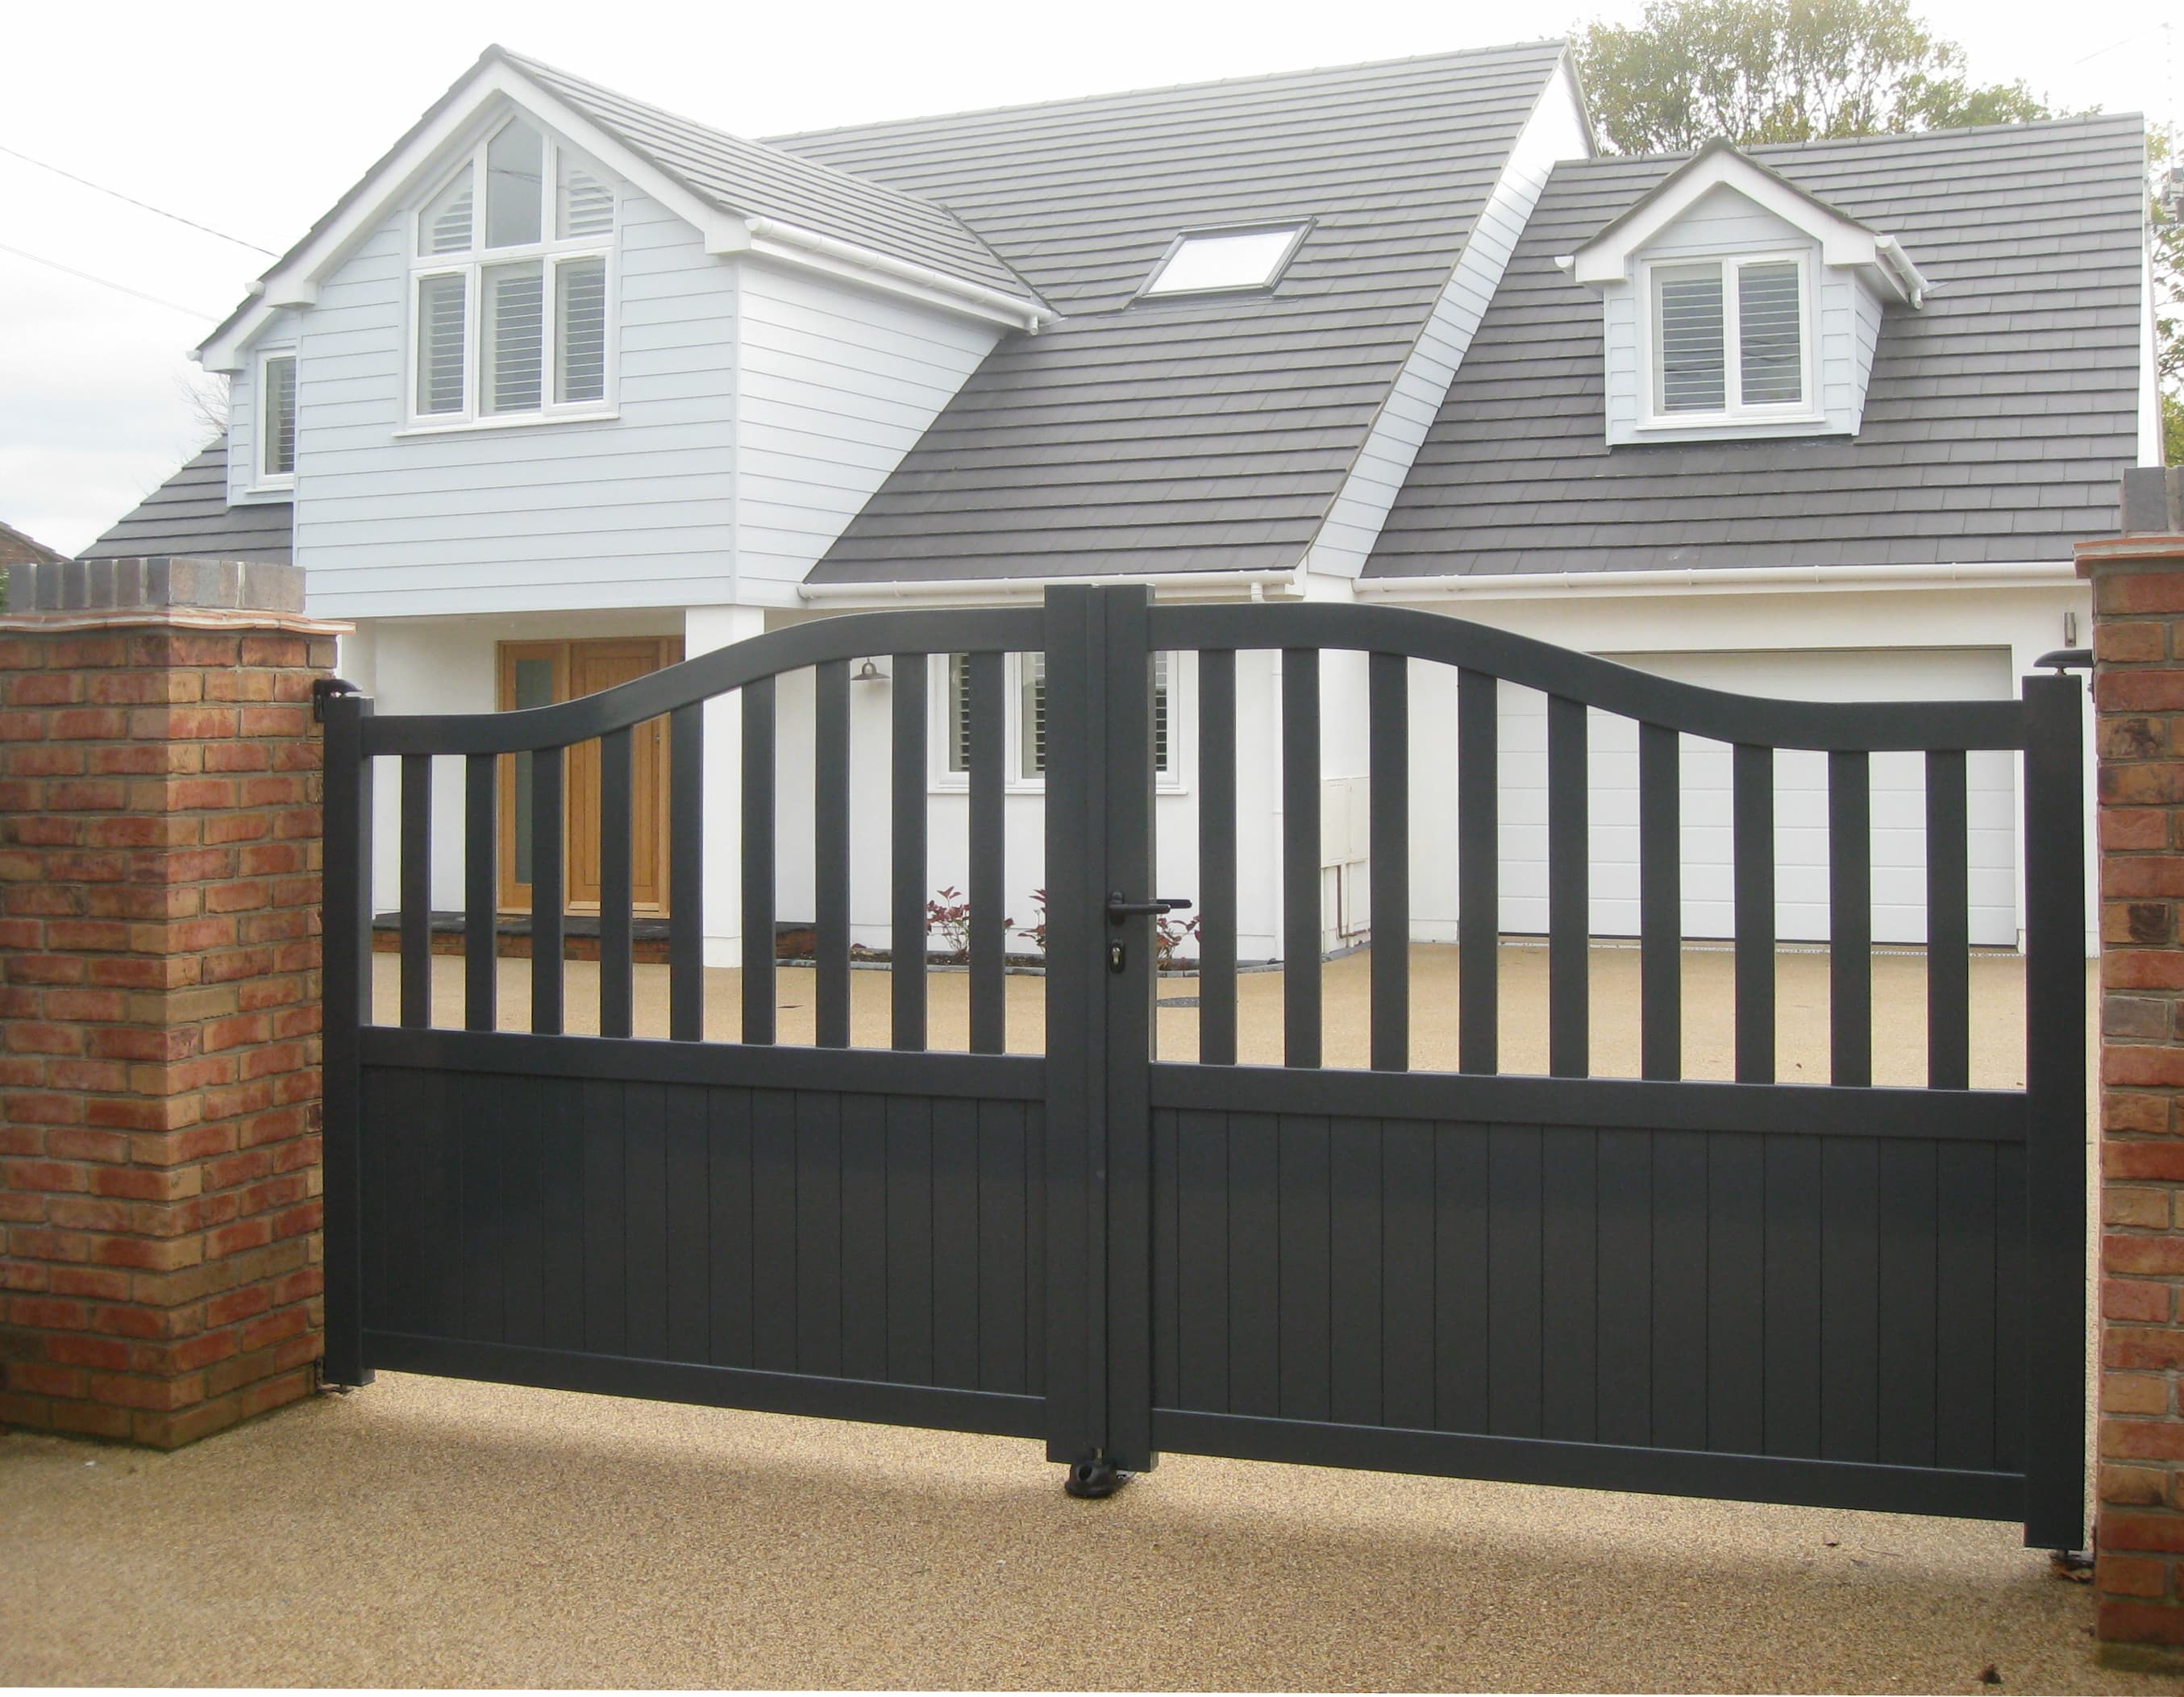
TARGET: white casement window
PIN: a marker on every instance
(1730, 340)
(277, 420)
(510, 275)
(1024, 719)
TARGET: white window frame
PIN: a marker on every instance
(1298, 229)
(472, 264)
(263, 481)
(1807, 410)
(940, 713)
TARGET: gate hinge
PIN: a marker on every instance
(323, 690)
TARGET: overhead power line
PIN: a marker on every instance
(131, 200)
(107, 283)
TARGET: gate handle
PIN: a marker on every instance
(1119, 910)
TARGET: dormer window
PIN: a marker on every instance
(1223, 261)
(509, 264)
(1729, 339)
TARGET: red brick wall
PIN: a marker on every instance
(2138, 599)
(159, 874)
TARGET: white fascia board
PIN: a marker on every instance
(1526, 586)
(1610, 256)
(1286, 582)
(791, 244)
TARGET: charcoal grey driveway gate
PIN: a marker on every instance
(1835, 1294)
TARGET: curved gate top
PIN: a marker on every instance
(1849, 1293)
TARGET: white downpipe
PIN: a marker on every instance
(1202, 584)
(1513, 585)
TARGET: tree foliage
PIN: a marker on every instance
(1780, 70)
(2167, 235)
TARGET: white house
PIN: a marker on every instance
(568, 388)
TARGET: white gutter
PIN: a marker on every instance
(772, 231)
(1523, 586)
(1198, 585)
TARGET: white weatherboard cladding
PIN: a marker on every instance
(1724, 225)
(836, 385)
(634, 511)
(1801, 800)
(242, 417)
(1554, 131)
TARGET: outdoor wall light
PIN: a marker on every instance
(868, 672)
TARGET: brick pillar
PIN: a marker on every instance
(2138, 643)
(158, 996)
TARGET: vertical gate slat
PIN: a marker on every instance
(644, 1220)
(1254, 1264)
(1736, 1279)
(831, 852)
(1625, 1163)
(617, 981)
(1849, 916)
(773, 1259)
(758, 857)
(480, 891)
(988, 870)
(910, 1239)
(1300, 1289)
(1515, 1234)
(604, 1244)
(1478, 872)
(907, 848)
(1216, 857)
(1569, 1283)
(1948, 923)
(520, 1151)
(1910, 1209)
(1964, 1356)
(685, 875)
(1390, 851)
(1569, 1049)
(1752, 782)
(955, 1243)
(1406, 1280)
(1462, 1274)
(1357, 1252)
(1850, 1298)
(356, 1255)
(1679, 1290)
(729, 1201)
(417, 889)
(815, 1216)
(1202, 1277)
(561, 1216)
(2010, 1312)
(1301, 919)
(548, 837)
(689, 1231)
(1793, 1386)
(475, 1125)
(1660, 903)
(864, 1237)
(1002, 1240)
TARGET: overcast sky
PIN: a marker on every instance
(254, 122)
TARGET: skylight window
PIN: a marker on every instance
(1225, 259)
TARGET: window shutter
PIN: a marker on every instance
(959, 713)
(440, 314)
(584, 205)
(580, 330)
(1160, 712)
(279, 425)
(1693, 375)
(515, 339)
(1033, 728)
(1770, 334)
(444, 227)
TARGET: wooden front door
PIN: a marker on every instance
(539, 674)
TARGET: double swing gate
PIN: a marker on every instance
(1841, 1294)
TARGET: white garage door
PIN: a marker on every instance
(1800, 802)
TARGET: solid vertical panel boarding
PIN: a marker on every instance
(1752, 808)
(480, 890)
(2055, 803)
(758, 871)
(617, 984)
(1569, 1045)
(1301, 913)
(1389, 692)
(988, 923)
(1216, 857)
(907, 933)
(547, 836)
(1478, 872)
(686, 874)
(417, 889)
(1660, 903)
(831, 851)
(1948, 923)
(1849, 916)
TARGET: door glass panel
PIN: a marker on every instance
(534, 687)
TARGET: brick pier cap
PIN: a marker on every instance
(160, 1014)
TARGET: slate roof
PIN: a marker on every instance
(1181, 434)
(188, 516)
(755, 178)
(18, 549)
(1997, 424)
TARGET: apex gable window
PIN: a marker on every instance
(277, 420)
(1730, 340)
(510, 258)
(1213, 261)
